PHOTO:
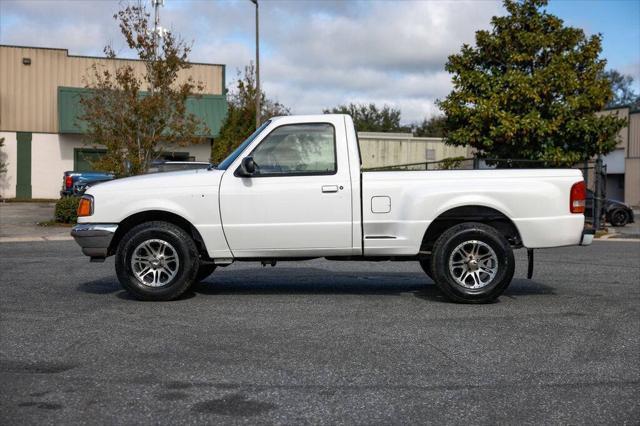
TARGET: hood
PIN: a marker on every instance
(179, 179)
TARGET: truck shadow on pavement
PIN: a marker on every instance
(314, 281)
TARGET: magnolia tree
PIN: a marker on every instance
(136, 117)
(530, 88)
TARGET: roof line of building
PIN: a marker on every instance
(94, 57)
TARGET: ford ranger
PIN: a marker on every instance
(294, 190)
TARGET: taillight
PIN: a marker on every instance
(577, 197)
(68, 182)
(85, 207)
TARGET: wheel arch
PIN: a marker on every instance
(157, 215)
(471, 213)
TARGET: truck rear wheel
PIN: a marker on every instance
(157, 261)
(472, 263)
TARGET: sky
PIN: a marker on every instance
(320, 54)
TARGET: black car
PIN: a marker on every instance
(615, 212)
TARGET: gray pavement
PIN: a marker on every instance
(19, 222)
(320, 342)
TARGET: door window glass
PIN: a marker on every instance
(297, 149)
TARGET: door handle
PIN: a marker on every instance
(329, 188)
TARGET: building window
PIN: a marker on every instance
(84, 158)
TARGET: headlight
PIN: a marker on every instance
(85, 208)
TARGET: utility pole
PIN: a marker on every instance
(599, 183)
(157, 29)
(258, 92)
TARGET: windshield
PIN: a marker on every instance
(227, 161)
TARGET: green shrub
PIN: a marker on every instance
(67, 209)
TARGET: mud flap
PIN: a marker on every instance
(530, 263)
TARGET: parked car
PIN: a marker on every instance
(294, 190)
(615, 212)
(172, 166)
(75, 183)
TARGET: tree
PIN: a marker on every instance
(431, 127)
(241, 115)
(134, 117)
(622, 88)
(370, 118)
(530, 88)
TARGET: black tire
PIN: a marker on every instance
(185, 270)
(204, 271)
(426, 267)
(448, 247)
(618, 217)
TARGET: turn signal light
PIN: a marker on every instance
(577, 197)
(85, 208)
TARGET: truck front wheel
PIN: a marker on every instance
(157, 261)
(472, 263)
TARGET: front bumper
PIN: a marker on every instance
(587, 236)
(94, 238)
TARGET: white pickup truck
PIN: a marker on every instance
(294, 190)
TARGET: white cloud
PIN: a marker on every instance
(315, 54)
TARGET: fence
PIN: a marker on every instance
(594, 173)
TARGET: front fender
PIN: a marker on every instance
(198, 206)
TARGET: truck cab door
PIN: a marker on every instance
(297, 202)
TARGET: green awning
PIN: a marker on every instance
(212, 109)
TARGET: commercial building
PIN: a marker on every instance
(39, 106)
(380, 149)
(623, 163)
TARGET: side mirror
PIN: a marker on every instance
(247, 167)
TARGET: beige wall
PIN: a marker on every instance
(9, 154)
(389, 149)
(633, 150)
(629, 143)
(632, 162)
(632, 181)
(623, 135)
(28, 93)
(52, 155)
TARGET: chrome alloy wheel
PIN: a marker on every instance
(473, 264)
(155, 263)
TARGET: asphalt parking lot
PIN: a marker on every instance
(320, 342)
